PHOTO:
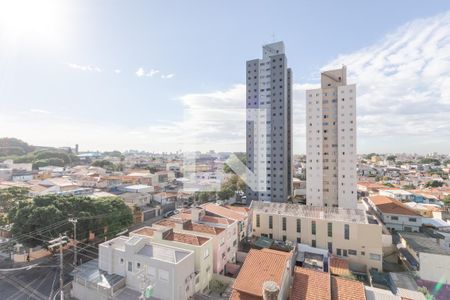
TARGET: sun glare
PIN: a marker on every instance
(31, 21)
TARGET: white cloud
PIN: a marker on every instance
(141, 72)
(39, 111)
(117, 71)
(84, 67)
(168, 76)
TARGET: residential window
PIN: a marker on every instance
(130, 266)
(374, 256)
(313, 243)
(258, 220)
(330, 247)
(412, 219)
(284, 238)
(338, 252)
(299, 240)
(344, 252)
(313, 227)
(299, 225)
(351, 252)
(270, 222)
(394, 218)
(347, 231)
(270, 236)
(330, 229)
(163, 275)
(284, 223)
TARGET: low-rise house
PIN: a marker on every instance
(224, 238)
(346, 233)
(400, 195)
(264, 272)
(241, 216)
(201, 246)
(309, 284)
(396, 215)
(135, 263)
(426, 254)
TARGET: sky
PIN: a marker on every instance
(169, 75)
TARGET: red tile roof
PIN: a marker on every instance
(174, 236)
(188, 225)
(310, 284)
(389, 205)
(347, 289)
(260, 266)
(223, 211)
(339, 266)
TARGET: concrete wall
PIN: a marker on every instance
(435, 267)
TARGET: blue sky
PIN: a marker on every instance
(167, 75)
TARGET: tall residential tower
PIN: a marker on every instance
(269, 125)
(331, 142)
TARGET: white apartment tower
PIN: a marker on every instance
(331, 142)
(269, 125)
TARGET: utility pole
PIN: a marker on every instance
(74, 222)
(61, 241)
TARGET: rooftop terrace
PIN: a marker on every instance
(298, 210)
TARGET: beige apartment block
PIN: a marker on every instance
(331, 142)
(344, 232)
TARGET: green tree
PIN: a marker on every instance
(446, 200)
(94, 214)
(428, 160)
(391, 157)
(434, 183)
(409, 187)
(48, 162)
(9, 198)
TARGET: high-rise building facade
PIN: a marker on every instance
(331, 142)
(269, 125)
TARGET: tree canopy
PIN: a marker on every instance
(434, 183)
(94, 214)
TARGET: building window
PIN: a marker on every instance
(338, 252)
(313, 243)
(373, 256)
(284, 223)
(347, 231)
(330, 247)
(284, 238)
(313, 227)
(351, 252)
(270, 236)
(412, 219)
(299, 225)
(130, 266)
(394, 218)
(299, 240)
(270, 222)
(330, 229)
(344, 252)
(258, 220)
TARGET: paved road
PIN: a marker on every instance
(39, 282)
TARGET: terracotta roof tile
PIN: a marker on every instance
(339, 266)
(391, 206)
(188, 225)
(260, 266)
(310, 284)
(347, 289)
(223, 211)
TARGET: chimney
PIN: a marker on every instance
(270, 290)
(197, 213)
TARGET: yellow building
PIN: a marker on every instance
(344, 232)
